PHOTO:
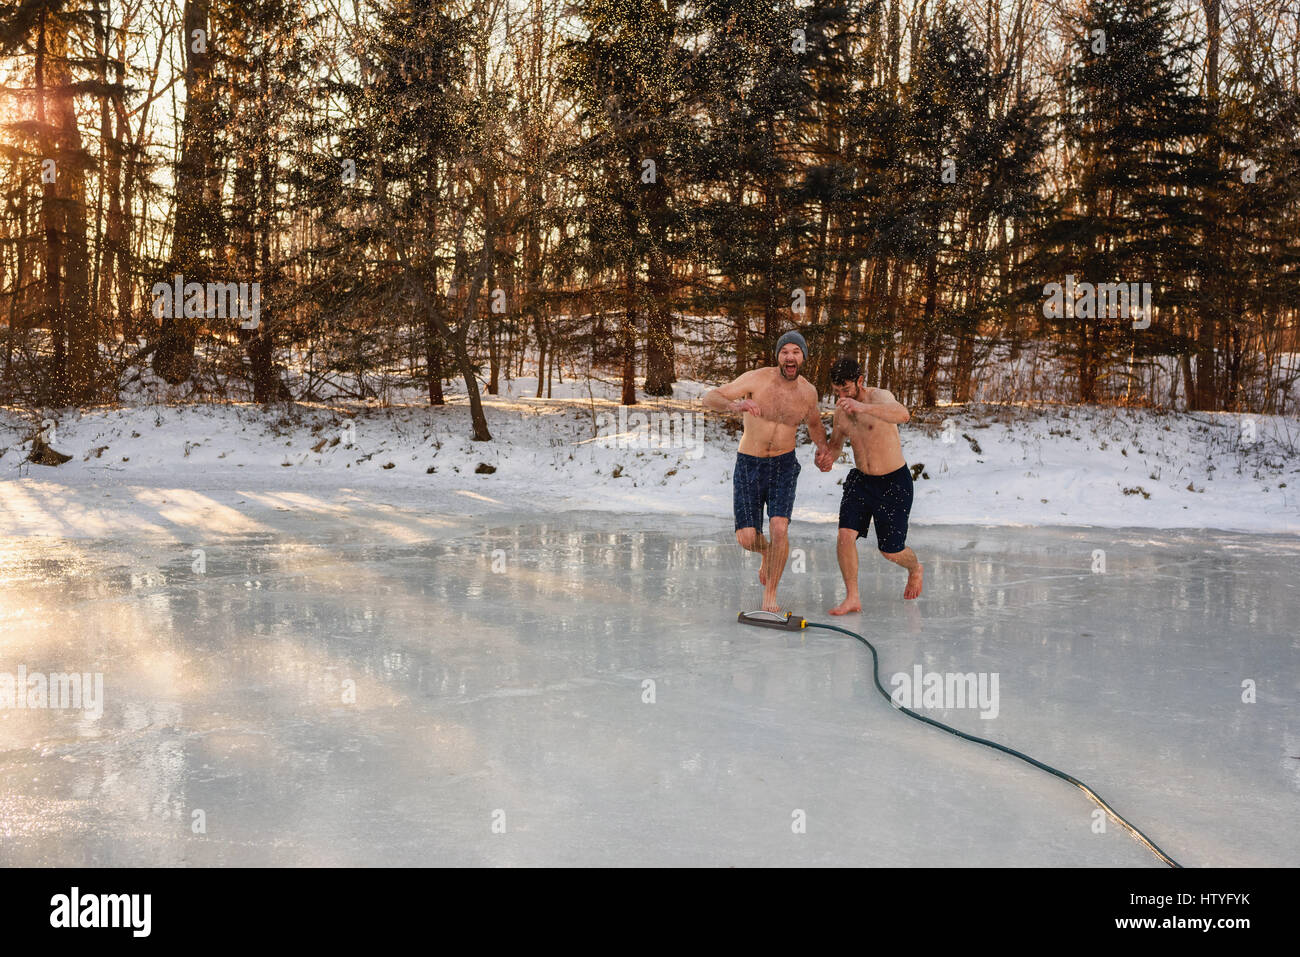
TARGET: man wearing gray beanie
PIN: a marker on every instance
(774, 401)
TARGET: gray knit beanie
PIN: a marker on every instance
(794, 337)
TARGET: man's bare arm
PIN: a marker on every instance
(838, 434)
(816, 428)
(881, 405)
(827, 454)
(734, 396)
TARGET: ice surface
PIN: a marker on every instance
(502, 715)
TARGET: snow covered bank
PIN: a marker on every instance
(182, 470)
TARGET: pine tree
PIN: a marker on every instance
(626, 76)
(945, 104)
(1131, 213)
(58, 168)
(414, 166)
(833, 68)
(197, 229)
(750, 89)
(1259, 127)
(267, 70)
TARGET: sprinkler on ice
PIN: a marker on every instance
(770, 619)
(791, 622)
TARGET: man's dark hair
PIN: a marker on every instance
(845, 370)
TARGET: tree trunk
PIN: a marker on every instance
(490, 320)
(888, 379)
(261, 353)
(79, 316)
(1206, 393)
(1087, 363)
(817, 320)
(433, 347)
(52, 214)
(19, 291)
(961, 377)
(770, 291)
(895, 41)
(459, 337)
(539, 330)
(628, 332)
(70, 299)
(739, 313)
(929, 334)
(659, 372)
(109, 165)
(173, 360)
(836, 311)
(125, 258)
(477, 417)
(532, 278)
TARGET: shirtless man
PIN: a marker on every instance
(881, 485)
(774, 402)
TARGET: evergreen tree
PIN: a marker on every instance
(1259, 126)
(269, 69)
(626, 76)
(45, 30)
(414, 167)
(198, 233)
(751, 91)
(1131, 211)
(832, 68)
(946, 105)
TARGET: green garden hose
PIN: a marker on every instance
(875, 660)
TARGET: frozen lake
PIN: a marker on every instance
(568, 689)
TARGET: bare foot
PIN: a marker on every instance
(772, 605)
(846, 606)
(913, 589)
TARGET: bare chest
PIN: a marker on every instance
(868, 429)
(781, 404)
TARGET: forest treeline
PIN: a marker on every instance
(280, 199)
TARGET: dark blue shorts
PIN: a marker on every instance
(758, 481)
(886, 498)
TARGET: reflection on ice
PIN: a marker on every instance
(576, 690)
